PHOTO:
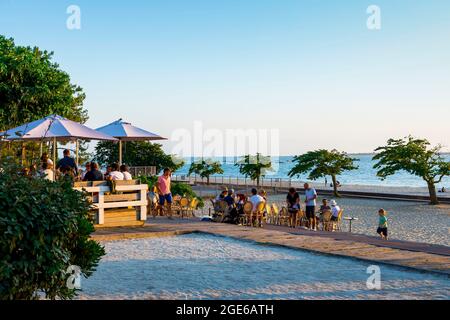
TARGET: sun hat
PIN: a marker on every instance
(333, 203)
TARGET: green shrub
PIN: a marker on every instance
(44, 229)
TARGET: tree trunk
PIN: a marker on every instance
(207, 180)
(257, 182)
(432, 190)
(335, 187)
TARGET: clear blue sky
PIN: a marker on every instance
(310, 68)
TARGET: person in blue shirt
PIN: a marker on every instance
(67, 162)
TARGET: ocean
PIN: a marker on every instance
(365, 175)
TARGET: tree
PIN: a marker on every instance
(45, 230)
(255, 167)
(140, 153)
(322, 163)
(32, 86)
(205, 169)
(414, 156)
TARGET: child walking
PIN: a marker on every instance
(382, 225)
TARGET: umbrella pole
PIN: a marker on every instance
(76, 152)
(23, 154)
(120, 152)
(40, 155)
(54, 154)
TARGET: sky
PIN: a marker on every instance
(311, 70)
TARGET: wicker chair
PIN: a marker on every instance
(285, 217)
(248, 213)
(327, 224)
(258, 214)
(275, 214)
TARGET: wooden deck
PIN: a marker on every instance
(124, 206)
(419, 256)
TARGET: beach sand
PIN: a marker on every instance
(207, 267)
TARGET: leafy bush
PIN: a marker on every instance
(44, 229)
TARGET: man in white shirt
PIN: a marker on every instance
(126, 174)
(115, 174)
(310, 202)
(255, 199)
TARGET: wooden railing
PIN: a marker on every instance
(124, 206)
(142, 171)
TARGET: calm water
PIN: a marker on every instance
(206, 267)
(365, 175)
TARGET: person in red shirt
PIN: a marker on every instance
(165, 195)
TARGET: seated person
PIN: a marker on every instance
(126, 174)
(94, 174)
(87, 169)
(221, 196)
(115, 174)
(324, 207)
(263, 194)
(255, 199)
(335, 209)
(229, 199)
(47, 172)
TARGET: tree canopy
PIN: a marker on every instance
(415, 156)
(205, 168)
(322, 163)
(140, 153)
(255, 167)
(32, 86)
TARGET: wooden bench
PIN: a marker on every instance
(127, 206)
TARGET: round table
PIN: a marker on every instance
(350, 220)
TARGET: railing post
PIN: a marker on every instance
(101, 210)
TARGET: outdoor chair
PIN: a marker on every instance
(184, 203)
(285, 217)
(269, 215)
(258, 214)
(248, 211)
(275, 214)
(220, 210)
(327, 224)
(300, 218)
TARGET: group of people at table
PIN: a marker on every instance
(68, 167)
(235, 203)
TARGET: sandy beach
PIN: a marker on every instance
(208, 267)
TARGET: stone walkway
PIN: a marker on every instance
(400, 253)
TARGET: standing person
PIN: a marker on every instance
(115, 174)
(383, 224)
(67, 163)
(165, 195)
(293, 205)
(94, 174)
(126, 174)
(310, 202)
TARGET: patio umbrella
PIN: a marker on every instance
(124, 131)
(54, 128)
